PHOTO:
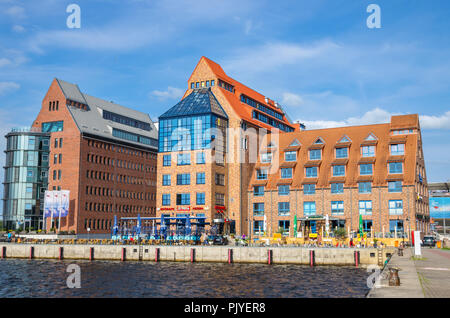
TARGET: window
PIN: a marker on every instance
(258, 191)
(55, 159)
(220, 179)
(52, 126)
(29, 189)
(395, 225)
(261, 174)
(212, 82)
(368, 151)
(200, 158)
(200, 198)
(365, 169)
(60, 142)
(395, 207)
(258, 227)
(367, 225)
(395, 167)
(365, 187)
(315, 154)
(167, 160)
(192, 85)
(283, 208)
(294, 143)
(311, 172)
(258, 209)
(220, 199)
(284, 224)
(60, 158)
(337, 207)
(59, 174)
(283, 189)
(309, 189)
(338, 170)
(395, 186)
(341, 152)
(337, 188)
(344, 139)
(397, 149)
(166, 199)
(166, 180)
(183, 179)
(200, 178)
(309, 208)
(184, 159)
(183, 198)
(56, 143)
(290, 156)
(124, 120)
(197, 85)
(286, 173)
(266, 157)
(365, 207)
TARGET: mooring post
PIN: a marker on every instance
(269, 257)
(357, 260)
(91, 253)
(4, 252)
(157, 254)
(312, 257)
(31, 252)
(61, 253)
(192, 255)
(124, 254)
(230, 256)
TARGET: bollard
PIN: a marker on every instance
(91, 253)
(4, 252)
(192, 255)
(157, 254)
(312, 257)
(269, 257)
(31, 252)
(394, 280)
(61, 253)
(124, 254)
(230, 256)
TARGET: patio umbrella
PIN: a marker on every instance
(163, 225)
(138, 226)
(115, 227)
(188, 225)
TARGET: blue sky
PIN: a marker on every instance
(316, 58)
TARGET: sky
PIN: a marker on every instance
(318, 59)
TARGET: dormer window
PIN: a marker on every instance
(341, 152)
(319, 141)
(295, 143)
(370, 137)
(344, 139)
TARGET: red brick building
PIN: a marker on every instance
(104, 153)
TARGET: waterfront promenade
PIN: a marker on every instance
(427, 277)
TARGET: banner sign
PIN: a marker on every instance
(56, 203)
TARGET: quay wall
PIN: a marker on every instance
(220, 254)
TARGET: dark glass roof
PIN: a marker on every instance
(199, 102)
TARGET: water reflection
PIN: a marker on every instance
(47, 278)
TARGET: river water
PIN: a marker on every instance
(47, 278)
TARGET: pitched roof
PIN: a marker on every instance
(200, 101)
(91, 121)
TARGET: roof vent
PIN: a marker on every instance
(276, 105)
(266, 100)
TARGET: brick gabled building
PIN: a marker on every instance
(377, 171)
(217, 188)
(104, 153)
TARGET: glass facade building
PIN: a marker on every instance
(26, 178)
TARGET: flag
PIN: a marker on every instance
(361, 225)
(295, 225)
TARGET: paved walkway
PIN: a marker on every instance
(428, 277)
(434, 272)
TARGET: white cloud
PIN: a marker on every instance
(16, 12)
(6, 87)
(378, 116)
(170, 93)
(291, 99)
(18, 28)
(4, 61)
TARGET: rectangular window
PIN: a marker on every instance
(337, 188)
(52, 126)
(60, 142)
(220, 179)
(395, 167)
(365, 169)
(397, 149)
(284, 225)
(290, 156)
(283, 189)
(396, 225)
(60, 158)
(365, 207)
(283, 208)
(266, 157)
(365, 187)
(166, 180)
(183, 179)
(337, 207)
(309, 189)
(368, 151)
(183, 198)
(258, 191)
(286, 173)
(192, 85)
(395, 186)
(56, 143)
(315, 154)
(200, 198)
(395, 207)
(341, 152)
(200, 158)
(309, 208)
(258, 209)
(166, 199)
(338, 170)
(55, 159)
(212, 82)
(184, 159)
(167, 161)
(367, 225)
(220, 199)
(258, 227)
(311, 172)
(261, 174)
(200, 178)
